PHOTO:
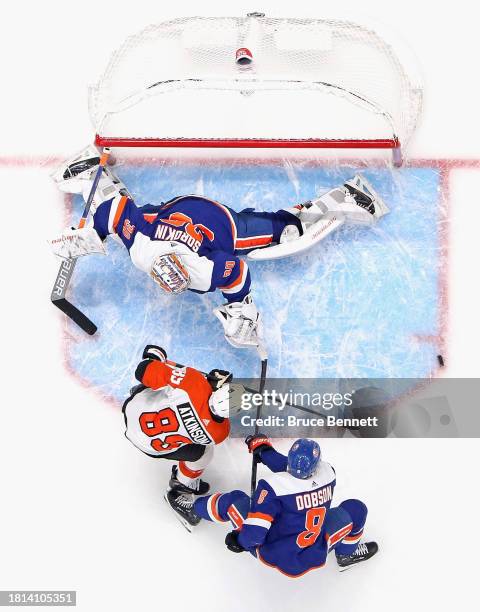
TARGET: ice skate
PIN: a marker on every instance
(365, 196)
(198, 486)
(364, 552)
(76, 176)
(70, 176)
(182, 505)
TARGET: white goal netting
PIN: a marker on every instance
(308, 79)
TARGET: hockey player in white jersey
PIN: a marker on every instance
(178, 413)
(194, 243)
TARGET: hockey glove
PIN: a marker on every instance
(217, 378)
(231, 541)
(257, 443)
(241, 322)
(152, 351)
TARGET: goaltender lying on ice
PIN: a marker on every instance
(194, 243)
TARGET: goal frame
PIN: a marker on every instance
(256, 143)
(250, 29)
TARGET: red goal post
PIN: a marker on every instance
(305, 83)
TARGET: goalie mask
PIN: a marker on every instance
(170, 273)
(227, 401)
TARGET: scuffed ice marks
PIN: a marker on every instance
(357, 305)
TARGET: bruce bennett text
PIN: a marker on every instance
(293, 421)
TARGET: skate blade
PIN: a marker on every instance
(182, 521)
(344, 569)
(347, 567)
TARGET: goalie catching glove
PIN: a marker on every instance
(152, 351)
(241, 322)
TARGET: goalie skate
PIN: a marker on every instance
(77, 173)
(366, 197)
(182, 505)
(70, 176)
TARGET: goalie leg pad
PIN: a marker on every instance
(356, 203)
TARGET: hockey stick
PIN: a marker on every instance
(67, 266)
(263, 377)
(322, 415)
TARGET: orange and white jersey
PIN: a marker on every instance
(172, 411)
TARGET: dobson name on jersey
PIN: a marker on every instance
(315, 498)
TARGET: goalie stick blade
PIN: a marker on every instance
(76, 315)
(312, 235)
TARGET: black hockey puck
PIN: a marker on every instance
(441, 363)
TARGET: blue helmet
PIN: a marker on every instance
(303, 458)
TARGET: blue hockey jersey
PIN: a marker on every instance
(204, 232)
(285, 527)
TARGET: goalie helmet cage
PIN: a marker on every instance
(256, 82)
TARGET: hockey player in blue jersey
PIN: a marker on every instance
(192, 242)
(289, 523)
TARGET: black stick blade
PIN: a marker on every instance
(76, 315)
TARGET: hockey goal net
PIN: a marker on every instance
(256, 82)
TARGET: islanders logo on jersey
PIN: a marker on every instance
(180, 228)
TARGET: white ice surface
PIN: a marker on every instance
(80, 508)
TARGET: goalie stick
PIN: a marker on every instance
(67, 266)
